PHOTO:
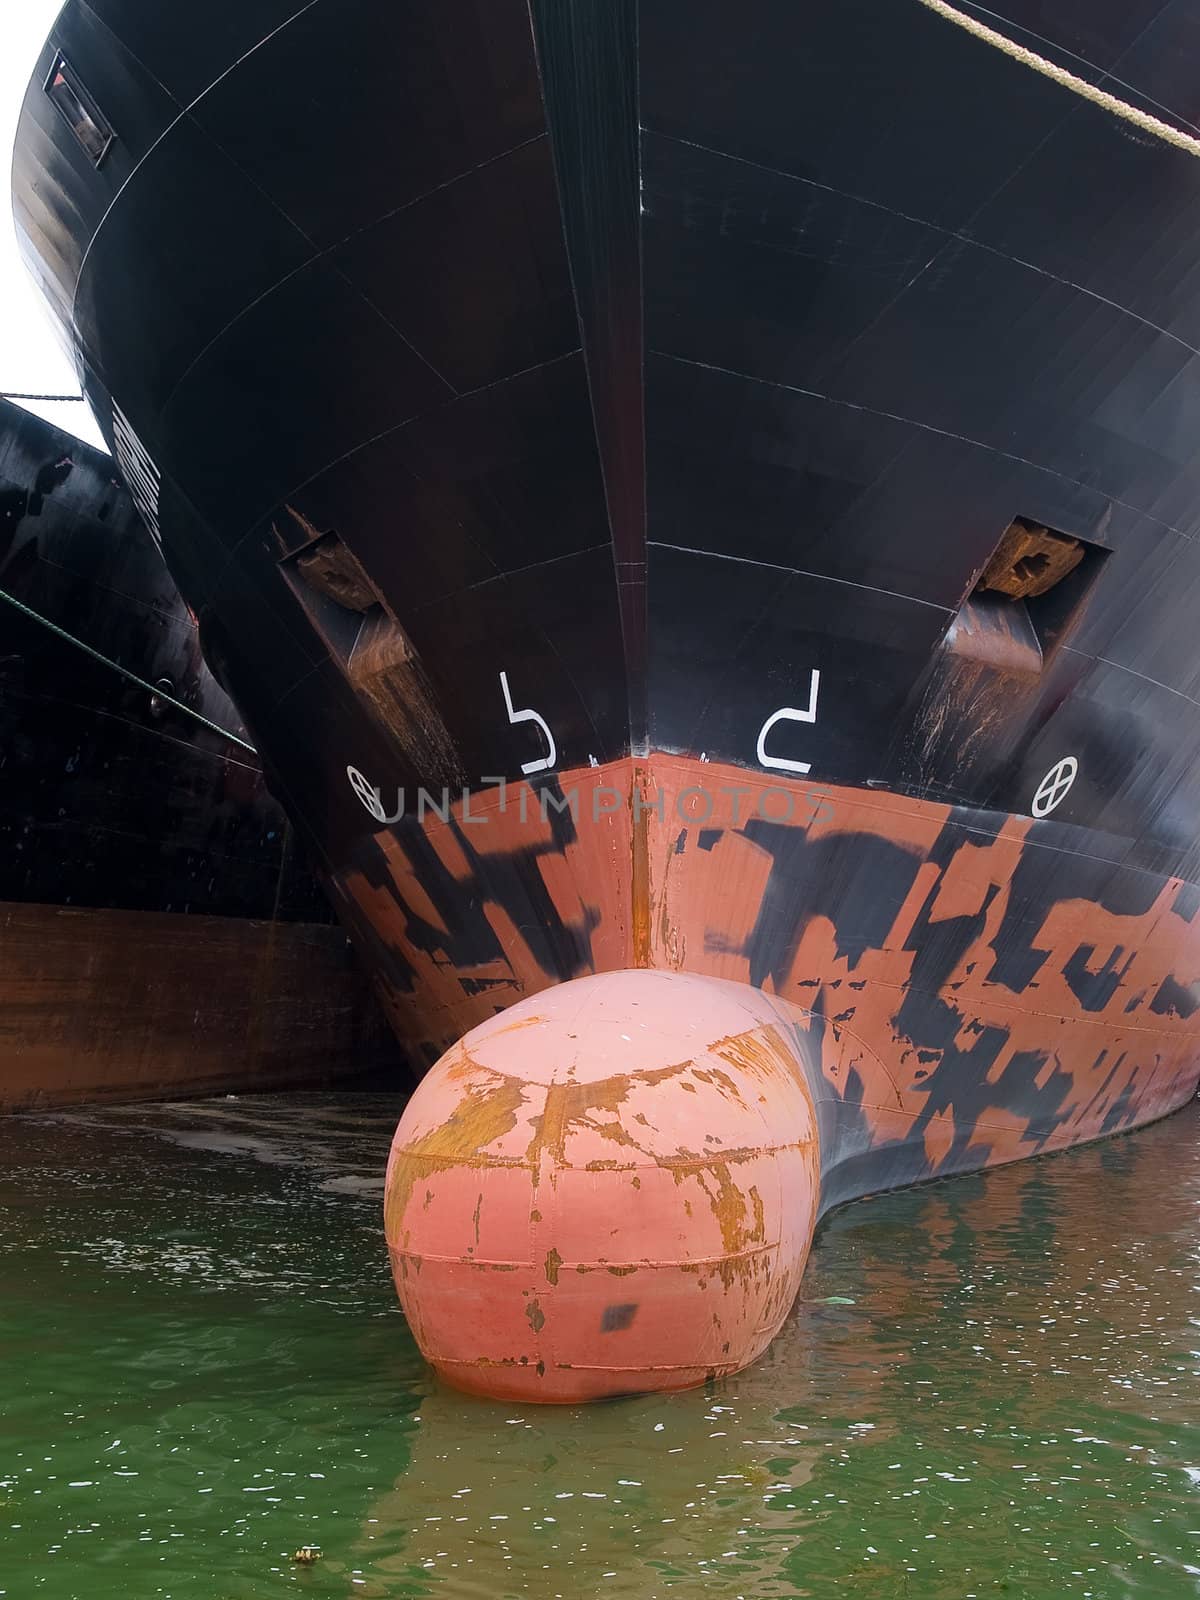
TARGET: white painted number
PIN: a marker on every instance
(789, 714)
(1054, 786)
(530, 767)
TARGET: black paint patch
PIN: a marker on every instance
(1094, 990)
(616, 1318)
(1175, 999)
(1123, 1109)
(1036, 889)
(856, 880)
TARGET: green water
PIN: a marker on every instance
(990, 1387)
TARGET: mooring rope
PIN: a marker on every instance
(116, 666)
(1067, 80)
(10, 394)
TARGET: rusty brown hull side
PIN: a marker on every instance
(976, 992)
(126, 1005)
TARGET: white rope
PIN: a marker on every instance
(1067, 80)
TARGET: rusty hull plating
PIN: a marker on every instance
(611, 1186)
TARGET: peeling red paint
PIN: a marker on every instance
(950, 1013)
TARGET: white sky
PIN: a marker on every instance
(30, 357)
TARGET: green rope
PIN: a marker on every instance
(124, 671)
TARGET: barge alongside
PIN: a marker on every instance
(740, 464)
(159, 934)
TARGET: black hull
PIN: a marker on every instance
(675, 375)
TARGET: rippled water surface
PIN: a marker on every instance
(989, 1387)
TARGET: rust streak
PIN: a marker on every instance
(570, 1104)
(483, 1116)
(760, 1052)
(640, 910)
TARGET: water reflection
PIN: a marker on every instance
(977, 1394)
(989, 1387)
(624, 1496)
